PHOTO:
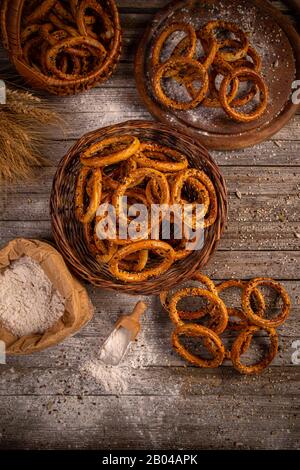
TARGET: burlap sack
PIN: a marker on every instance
(78, 308)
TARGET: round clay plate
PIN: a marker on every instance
(272, 36)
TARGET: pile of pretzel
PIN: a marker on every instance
(245, 321)
(67, 40)
(147, 173)
(228, 54)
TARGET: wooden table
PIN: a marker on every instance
(154, 400)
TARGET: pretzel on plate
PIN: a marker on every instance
(241, 116)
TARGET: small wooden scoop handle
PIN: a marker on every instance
(138, 311)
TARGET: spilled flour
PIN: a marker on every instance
(112, 379)
(119, 379)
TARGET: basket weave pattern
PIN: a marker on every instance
(68, 232)
(11, 25)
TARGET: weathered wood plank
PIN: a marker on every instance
(240, 264)
(109, 423)
(24, 380)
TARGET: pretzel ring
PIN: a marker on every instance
(220, 320)
(89, 238)
(243, 338)
(177, 65)
(146, 157)
(40, 11)
(193, 330)
(233, 326)
(95, 198)
(240, 52)
(138, 195)
(92, 156)
(62, 12)
(154, 245)
(190, 315)
(53, 51)
(203, 178)
(106, 248)
(28, 31)
(255, 65)
(152, 190)
(102, 250)
(190, 47)
(181, 253)
(114, 179)
(62, 25)
(256, 293)
(251, 52)
(80, 18)
(27, 47)
(202, 192)
(264, 94)
(223, 68)
(107, 253)
(209, 44)
(137, 264)
(255, 318)
(53, 37)
(138, 176)
(73, 7)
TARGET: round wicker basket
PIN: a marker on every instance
(68, 232)
(11, 22)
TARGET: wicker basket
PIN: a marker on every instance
(68, 232)
(10, 18)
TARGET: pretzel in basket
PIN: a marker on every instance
(144, 172)
(87, 215)
(200, 176)
(103, 153)
(155, 245)
(65, 46)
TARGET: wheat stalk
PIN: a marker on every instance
(21, 134)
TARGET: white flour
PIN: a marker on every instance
(115, 346)
(119, 379)
(28, 301)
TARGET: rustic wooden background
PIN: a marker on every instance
(154, 400)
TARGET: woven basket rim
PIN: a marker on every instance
(155, 285)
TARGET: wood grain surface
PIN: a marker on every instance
(154, 399)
